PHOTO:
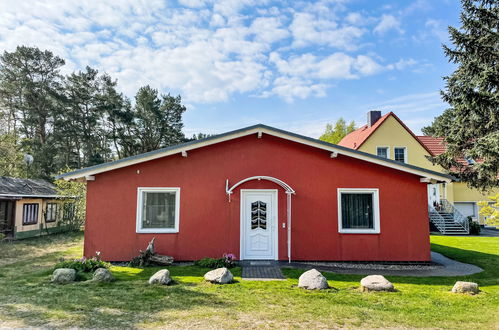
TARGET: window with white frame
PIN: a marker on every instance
(383, 152)
(158, 210)
(400, 154)
(358, 211)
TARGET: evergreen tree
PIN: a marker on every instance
(81, 125)
(340, 130)
(157, 120)
(30, 86)
(75, 121)
(470, 126)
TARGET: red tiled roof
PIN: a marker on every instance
(436, 145)
(355, 139)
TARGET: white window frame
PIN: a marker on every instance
(376, 218)
(406, 160)
(140, 194)
(387, 151)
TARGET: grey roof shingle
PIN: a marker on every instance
(26, 187)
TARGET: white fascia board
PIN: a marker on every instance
(353, 154)
(113, 166)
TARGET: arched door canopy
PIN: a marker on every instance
(283, 184)
(289, 191)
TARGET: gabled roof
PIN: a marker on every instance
(436, 145)
(256, 129)
(16, 187)
(357, 138)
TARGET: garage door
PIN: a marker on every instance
(466, 209)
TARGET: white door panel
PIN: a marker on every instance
(258, 218)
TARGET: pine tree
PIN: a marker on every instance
(30, 88)
(470, 126)
(157, 120)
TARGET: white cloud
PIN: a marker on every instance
(269, 29)
(438, 29)
(366, 65)
(205, 50)
(291, 88)
(308, 29)
(193, 3)
(387, 23)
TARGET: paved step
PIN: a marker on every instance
(261, 270)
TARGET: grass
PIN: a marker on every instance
(27, 298)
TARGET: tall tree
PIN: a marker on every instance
(338, 132)
(11, 157)
(157, 120)
(81, 125)
(30, 85)
(470, 126)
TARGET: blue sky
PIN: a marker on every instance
(295, 65)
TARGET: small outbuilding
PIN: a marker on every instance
(30, 207)
(259, 193)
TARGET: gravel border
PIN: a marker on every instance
(440, 266)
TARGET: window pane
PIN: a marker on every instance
(51, 212)
(259, 215)
(383, 152)
(158, 210)
(399, 154)
(357, 211)
(30, 213)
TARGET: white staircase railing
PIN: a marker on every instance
(458, 216)
(436, 218)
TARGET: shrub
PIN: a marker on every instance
(226, 261)
(474, 227)
(2, 236)
(83, 265)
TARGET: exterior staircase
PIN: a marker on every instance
(448, 220)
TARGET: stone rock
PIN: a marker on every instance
(161, 277)
(103, 275)
(312, 280)
(465, 287)
(219, 276)
(63, 275)
(376, 283)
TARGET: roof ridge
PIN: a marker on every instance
(349, 152)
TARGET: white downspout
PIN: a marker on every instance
(288, 212)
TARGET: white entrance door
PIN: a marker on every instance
(433, 194)
(258, 224)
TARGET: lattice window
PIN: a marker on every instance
(259, 215)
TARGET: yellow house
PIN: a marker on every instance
(387, 136)
(31, 207)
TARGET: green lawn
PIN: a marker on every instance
(27, 298)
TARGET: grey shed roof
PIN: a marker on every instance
(17, 187)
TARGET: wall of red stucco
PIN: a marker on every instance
(209, 224)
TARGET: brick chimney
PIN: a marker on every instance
(372, 117)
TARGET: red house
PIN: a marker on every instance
(260, 193)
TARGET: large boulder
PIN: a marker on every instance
(161, 277)
(376, 283)
(465, 287)
(63, 275)
(103, 275)
(312, 280)
(219, 276)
